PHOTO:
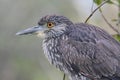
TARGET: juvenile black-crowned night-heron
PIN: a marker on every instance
(78, 48)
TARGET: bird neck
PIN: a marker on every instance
(51, 49)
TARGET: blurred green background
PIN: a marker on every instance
(21, 57)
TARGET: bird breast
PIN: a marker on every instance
(51, 50)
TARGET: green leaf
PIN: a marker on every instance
(114, 20)
(98, 2)
(119, 14)
(110, 2)
(118, 1)
(117, 37)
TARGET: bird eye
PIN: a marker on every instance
(50, 24)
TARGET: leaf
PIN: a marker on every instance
(117, 37)
(114, 20)
(98, 2)
(119, 14)
(110, 2)
(118, 1)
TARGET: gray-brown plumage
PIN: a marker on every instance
(78, 49)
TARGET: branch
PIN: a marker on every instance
(118, 15)
(95, 10)
(64, 76)
(110, 25)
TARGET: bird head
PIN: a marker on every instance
(48, 26)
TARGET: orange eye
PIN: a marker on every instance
(50, 24)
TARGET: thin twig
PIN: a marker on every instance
(110, 25)
(118, 15)
(64, 76)
(95, 10)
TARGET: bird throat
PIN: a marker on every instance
(41, 34)
(51, 49)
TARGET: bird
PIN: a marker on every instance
(81, 50)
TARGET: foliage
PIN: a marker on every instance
(117, 4)
(113, 2)
(98, 2)
(117, 37)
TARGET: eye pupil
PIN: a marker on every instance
(50, 25)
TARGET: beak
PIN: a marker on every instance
(31, 30)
